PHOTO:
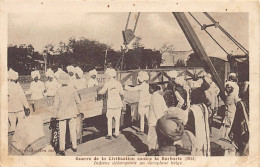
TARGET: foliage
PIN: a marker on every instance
(180, 63)
(23, 58)
(83, 52)
(167, 48)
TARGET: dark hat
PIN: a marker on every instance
(170, 126)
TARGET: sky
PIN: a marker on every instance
(155, 29)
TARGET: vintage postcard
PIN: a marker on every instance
(129, 83)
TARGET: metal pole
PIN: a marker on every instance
(105, 63)
(198, 48)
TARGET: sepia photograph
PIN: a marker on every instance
(154, 84)
(126, 87)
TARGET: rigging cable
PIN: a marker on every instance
(227, 34)
(209, 34)
(136, 21)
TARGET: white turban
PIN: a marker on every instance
(12, 74)
(79, 72)
(92, 72)
(49, 73)
(232, 75)
(111, 72)
(35, 74)
(172, 74)
(57, 73)
(143, 76)
(71, 69)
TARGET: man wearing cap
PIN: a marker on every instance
(230, 103)
(57, 73)
(37, 87)
(144, 97)
(93, 78)
(232, 77)
(51, 85)
(212, 95)
(157, 109)
(65, 101)
(71, 72)
(36, 90)
(177, 95)
(80, 82)
(114, 101)
(17, 103)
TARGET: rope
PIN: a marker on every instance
(227, 34)
(209, 34)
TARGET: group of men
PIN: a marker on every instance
(167, 111)
(60, 85)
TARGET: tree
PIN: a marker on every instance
(167, 48)
(23, 58)
(180, 63)
(137, 43)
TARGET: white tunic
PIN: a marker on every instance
(36, 89)
(144, 95)
(212, 94)
(157, 108)
(80, 83)
(114, 89)
(16, 98)
(92, 82)
(51, 87)
(72, 82)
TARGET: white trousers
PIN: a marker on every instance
(143, 112)
(152, 138)
(73, 133)
(13, 117)
(113, 113)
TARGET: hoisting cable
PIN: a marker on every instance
(227, 34)
(209, 34)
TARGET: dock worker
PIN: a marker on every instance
(36, 90)
(17, 103)
(65, 101)
(230, 103)
(80, 82)
(144, 97)
(37, 87)
(114, 102)
(157, 109)
(57, 73)
(232, 77)
(212, 95)
(177, 95)
(51, 85)
(71, 72)
(93, 78)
